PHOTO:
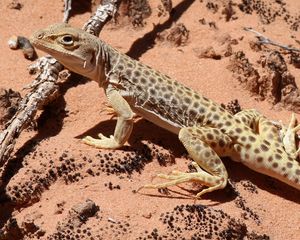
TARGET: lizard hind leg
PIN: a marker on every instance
(259, 124)
(269, 131)
(210, 170)
(286, 136)
(248, 117)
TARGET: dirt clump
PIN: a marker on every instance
(244, 71)
(134, 11)
(270, 81)
(28, 227)
(199, 222)
(267, 11)
(84, 221)
(164, 8)
(233, 106)
(177, 36)
(15, 4)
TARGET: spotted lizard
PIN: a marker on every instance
(207, 130)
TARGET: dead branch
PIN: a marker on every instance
(45, 87)
(102, 15)
(264, 40)
(67, 9)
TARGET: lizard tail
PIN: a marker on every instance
(279, 166)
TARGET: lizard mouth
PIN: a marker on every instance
(48, 48)
(59, 53)
(67, 58)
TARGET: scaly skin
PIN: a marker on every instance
(207, 130)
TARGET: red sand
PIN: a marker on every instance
(271, 207)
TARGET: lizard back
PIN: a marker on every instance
(161, 98)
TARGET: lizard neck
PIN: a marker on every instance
(102, 64)
(107, 60)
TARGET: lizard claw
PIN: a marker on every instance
(102, 142)
(101, 136)
(87, 139)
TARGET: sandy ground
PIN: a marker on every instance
(56, 173)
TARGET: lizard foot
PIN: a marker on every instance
(288, 136)
(177, 177)
(102, 142)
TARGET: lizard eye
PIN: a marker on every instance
(67, 40)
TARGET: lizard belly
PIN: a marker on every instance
(157, 119)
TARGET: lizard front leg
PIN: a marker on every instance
(124, 123)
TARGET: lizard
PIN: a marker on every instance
(206, 130)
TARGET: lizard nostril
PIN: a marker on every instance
(40, 35)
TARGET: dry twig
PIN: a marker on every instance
(67, 9)
(45, 88)
(103, 14)
(264, 40)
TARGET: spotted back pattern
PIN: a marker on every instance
(254, 140)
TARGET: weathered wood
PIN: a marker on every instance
(264, 40)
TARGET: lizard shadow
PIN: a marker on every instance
(50, 122)
(143, 44)
(251, 180)
(218, 197)
(237, 171)
(80, 7)
(166, 140)
(155, 135)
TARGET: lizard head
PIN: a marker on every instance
(76, 49)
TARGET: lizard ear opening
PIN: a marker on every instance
(93, 58)
(90, 61)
